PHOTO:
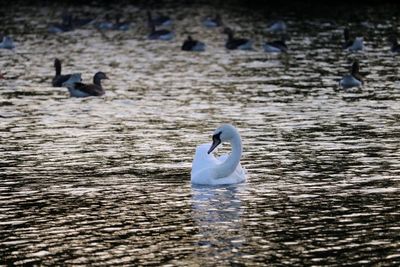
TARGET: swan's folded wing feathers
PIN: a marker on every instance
(201, 154)
(202, 159)
(222, 158)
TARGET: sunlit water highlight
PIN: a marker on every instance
(106, 181)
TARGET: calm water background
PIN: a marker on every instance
(106, 181)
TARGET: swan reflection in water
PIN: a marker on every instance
(217, 213)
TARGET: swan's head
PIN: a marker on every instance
(222, 134)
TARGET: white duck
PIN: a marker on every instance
(226, 169)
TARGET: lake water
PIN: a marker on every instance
(106, 180)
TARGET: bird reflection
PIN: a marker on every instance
(217, 212)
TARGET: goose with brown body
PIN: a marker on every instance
(209, 22)
(107, 24)
(192, 45)
(236, 43)
(66, 24)
(275, 46)
(78, 89)
(159, 20)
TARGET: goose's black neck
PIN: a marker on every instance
(97, 80)
(346, 35)
(149, 17)
(355, 68)
(230, 35)
(57, 65)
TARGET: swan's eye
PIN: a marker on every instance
(217, 137)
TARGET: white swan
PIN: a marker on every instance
(226, 169)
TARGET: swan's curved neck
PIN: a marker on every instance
(229, 165)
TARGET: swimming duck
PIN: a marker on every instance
(226, 169)
(209, 22)
(106, 24)
(59, 79)
(236, 43)
(278, 26)
(80, 22)
(7, 43)
(160, 20)
(163, 34)
(352, 45)
(353, 79)
(59, 28)
(65, 26)
(395, 48)
(119, 25)
(275, 47)
(193, 45)
(78, 89)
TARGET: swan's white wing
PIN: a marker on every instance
(202, 159)
(203, 168)
(238, 176)
(222, 158)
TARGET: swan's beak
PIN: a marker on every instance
(216, 142)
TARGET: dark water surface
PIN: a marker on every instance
(106, 181)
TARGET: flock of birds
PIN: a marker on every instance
(206, 168)
(158, 30)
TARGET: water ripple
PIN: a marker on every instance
(105, 181)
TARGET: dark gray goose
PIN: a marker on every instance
(236, 43)
(78, 89)
(162, 34)
(209, 22)
(159, 20)
(275, 46)
(192, 45)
